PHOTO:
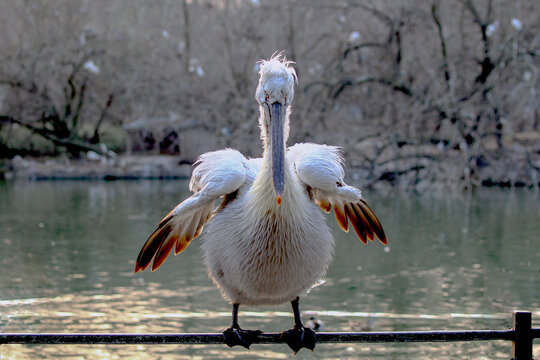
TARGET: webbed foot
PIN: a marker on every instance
(299, 337)
(237, 336)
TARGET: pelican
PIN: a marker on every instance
(267, 241)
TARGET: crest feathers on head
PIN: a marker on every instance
(279, 58)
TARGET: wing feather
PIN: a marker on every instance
(341, 216)
(373, 221)
(357, 223)
(364, 221)
(325, 205)
(164, 250)
(152, 245)
(320, 168)
(217, 174)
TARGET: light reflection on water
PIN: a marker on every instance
(67, 253)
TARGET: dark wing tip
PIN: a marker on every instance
(151, 247)
(165, 220)
(373, 221)
(140, 267)
(368, 228)
(357, 223)
(365, 222)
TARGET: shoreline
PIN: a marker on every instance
(429, 177)
(125, 167)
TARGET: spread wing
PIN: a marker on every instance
(216, 174)
(320, 168)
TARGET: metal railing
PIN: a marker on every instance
(522, 336)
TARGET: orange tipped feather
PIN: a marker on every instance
(341, 217)
(171, 232)
(198, 231)
(164, 251)
(182, 243)
(325, 205)
(180, 246)
(200, 227)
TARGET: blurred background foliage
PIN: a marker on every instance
(416, 92)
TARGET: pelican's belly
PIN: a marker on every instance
(267, 257)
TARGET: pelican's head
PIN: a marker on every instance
(275, 94)
(276, 82)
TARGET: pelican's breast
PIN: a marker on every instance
(260, 252)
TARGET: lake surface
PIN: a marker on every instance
(454, 261)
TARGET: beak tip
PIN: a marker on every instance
(278, 199)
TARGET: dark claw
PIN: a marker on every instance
(299, 337)
(237, 336)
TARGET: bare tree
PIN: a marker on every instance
(418, 92)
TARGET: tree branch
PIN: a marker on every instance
(487, 65)
(435, 15)
(72, 145)
(95, 136)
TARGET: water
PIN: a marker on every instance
(454, 261)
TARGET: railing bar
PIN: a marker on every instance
(418, 336)
(268, 338)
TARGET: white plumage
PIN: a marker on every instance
(267, 242)
(259, 252)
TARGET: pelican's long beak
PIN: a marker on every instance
(278, 150)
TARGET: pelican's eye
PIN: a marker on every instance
(266, 97)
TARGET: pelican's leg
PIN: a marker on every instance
(237, 336)
(299, 337)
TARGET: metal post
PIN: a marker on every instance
(523, 341)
